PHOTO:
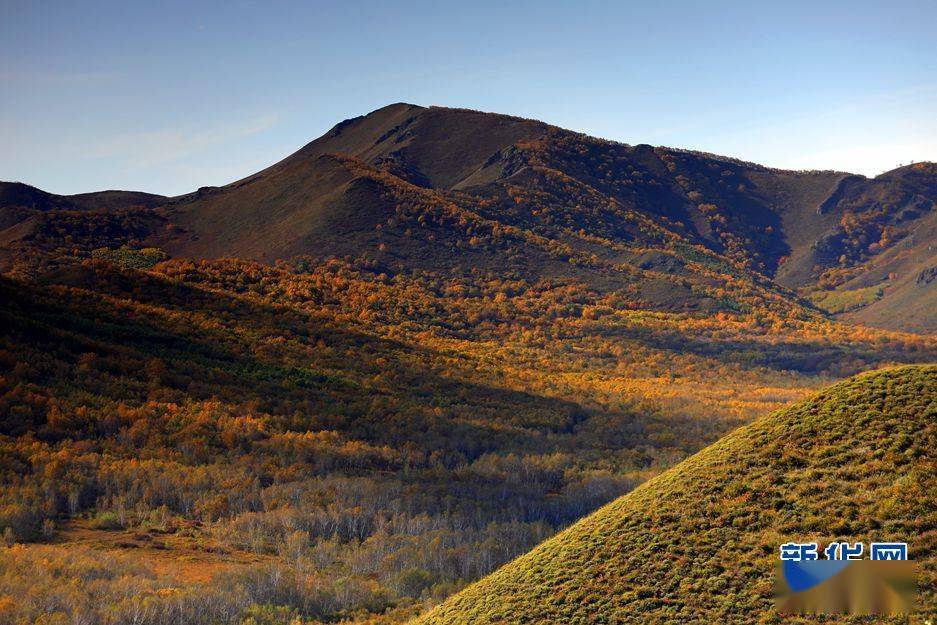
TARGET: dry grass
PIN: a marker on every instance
(182, 558)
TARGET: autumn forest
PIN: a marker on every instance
(346, 387)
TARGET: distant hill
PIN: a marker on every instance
(18, 200)
(25, 212)
(19, 195)
(415, 188)
(697, 543)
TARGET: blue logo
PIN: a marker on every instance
(845, 578)
(806, 574)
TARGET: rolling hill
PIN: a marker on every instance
(16, 195)
(699, 542)
(21, 203)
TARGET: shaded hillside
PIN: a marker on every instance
(18, 201)
(29, 216)
(860, 219)
(898, 278)
(367, 440)
(699, 542)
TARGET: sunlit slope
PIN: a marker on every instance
(697, 544)
(412, 188)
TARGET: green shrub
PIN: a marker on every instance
(107, 520)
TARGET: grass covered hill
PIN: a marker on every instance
(697, 544)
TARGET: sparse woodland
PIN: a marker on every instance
(339, 442)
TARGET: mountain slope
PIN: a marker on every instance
(28, 214)
(414, 188)
(334, 195)
(698, 543)
(902, 279)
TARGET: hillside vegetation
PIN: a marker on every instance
(362, 442)
(351, 384)
(699, 542)
(435, 188)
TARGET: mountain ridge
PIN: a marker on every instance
(838, 239)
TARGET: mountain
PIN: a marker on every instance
(342, 195)
(699, 542)
(844, 240)
(20, 201)
(369, 375)
(410, 187)
(26, 212)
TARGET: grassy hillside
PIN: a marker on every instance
(697, 543)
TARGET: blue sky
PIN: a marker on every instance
(169, 96)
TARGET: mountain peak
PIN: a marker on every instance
(594, 203)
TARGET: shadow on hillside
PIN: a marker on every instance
(811, 357)
(277, 359)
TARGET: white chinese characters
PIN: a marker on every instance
(799, 552)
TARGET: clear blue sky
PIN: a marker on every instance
(169, 96)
